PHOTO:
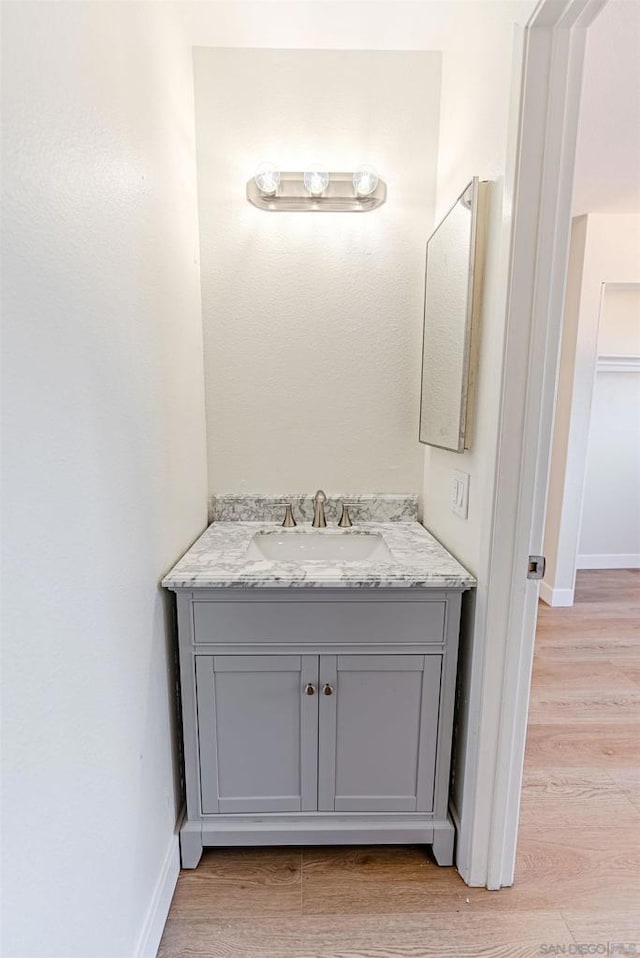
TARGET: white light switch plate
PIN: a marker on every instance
(459, 493)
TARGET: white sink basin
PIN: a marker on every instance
(326, 546)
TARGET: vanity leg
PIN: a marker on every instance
(190, 844)
(443, 840)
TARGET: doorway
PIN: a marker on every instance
(548, 128)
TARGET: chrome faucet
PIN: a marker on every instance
(319, 521)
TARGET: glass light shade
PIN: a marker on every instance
(365, 181)
(316, 181)
(267, 178)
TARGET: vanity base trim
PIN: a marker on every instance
(333, 829)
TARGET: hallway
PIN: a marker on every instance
(580, 811)
(578, 874)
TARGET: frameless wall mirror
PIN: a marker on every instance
(453, 290)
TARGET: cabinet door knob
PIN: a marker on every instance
(310, 689)
(328, 689)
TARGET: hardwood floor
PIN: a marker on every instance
(578, 873)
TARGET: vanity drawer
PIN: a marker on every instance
(366, 622)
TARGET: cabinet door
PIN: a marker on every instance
(378, 732)
(258, 732)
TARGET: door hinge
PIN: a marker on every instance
(537, 565)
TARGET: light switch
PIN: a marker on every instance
(460, 493)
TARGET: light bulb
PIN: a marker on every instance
(267, 178)
(365, 181)
(316, 181)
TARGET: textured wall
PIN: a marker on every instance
(313, 323)
(104, 462)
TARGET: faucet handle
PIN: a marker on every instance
(289, 522)
(319, 521)
(345, 518)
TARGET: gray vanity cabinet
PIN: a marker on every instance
(258, 732)
(317, 716)
(274, 739)
(378, 732)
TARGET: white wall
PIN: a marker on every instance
(352, 24)
(476, 40)
(104, 463)
(619, 326)
(313, 323)
(476, 114)
(480, 86)
(605, 249)
(608, 147)
(104, 398)
(562, 424)
(610, 529)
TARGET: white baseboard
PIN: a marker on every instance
(156, 916)
(557, 598)
(629, 560)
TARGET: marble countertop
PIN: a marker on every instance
(219, 560)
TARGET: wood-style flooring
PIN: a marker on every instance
(578, 872)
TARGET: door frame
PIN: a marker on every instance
(551, 78)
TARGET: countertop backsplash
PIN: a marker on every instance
(250, 507)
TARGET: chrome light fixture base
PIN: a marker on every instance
(292, 196)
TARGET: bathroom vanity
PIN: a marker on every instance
(318, 693)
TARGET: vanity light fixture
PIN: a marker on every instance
(267, 178)
(316, 180)
(365, 181)
(316, 190)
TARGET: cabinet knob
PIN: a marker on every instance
(310, 689)
(328, 689)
